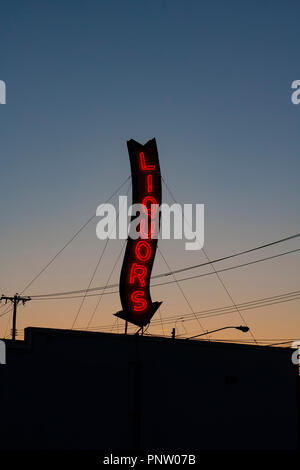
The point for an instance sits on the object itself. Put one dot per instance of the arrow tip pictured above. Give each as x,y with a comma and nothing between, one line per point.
138,319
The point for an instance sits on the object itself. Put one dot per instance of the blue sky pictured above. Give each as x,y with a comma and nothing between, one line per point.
210,80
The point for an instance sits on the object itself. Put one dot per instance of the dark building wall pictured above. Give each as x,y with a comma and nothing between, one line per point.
96,391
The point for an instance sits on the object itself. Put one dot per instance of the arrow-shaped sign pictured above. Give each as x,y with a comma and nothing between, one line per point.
138,307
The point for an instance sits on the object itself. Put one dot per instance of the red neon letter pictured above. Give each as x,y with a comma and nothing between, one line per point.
139,272
151,229
144,166
152,201
137,297
144,255
149,183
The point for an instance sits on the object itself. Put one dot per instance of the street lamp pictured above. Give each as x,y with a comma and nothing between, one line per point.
242,328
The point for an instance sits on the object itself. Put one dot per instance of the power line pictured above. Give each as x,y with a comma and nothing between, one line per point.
94,273
101,295
284,342
15,300
267,301
169,282
71,239
182,292
170,272
260,247
157,276
90,282
214,312
233,267
257,303
265,342
66,245
202,314
161,321
218,276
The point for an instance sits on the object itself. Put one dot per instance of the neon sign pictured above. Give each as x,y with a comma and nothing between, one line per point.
137,305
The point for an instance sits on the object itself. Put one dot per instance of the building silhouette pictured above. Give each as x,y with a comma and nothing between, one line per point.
76,390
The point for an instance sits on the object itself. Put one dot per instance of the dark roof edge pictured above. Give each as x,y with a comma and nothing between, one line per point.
31,331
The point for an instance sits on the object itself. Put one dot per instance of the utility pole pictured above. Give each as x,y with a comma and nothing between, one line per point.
15,300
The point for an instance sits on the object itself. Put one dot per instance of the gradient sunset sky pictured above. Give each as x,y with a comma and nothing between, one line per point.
211,81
